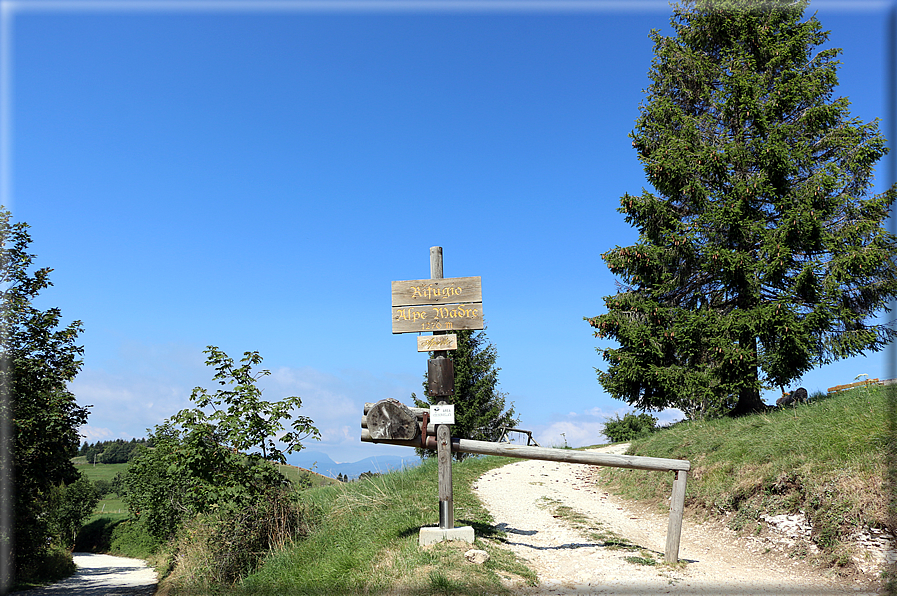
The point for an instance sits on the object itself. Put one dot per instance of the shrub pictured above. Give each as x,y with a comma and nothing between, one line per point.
118,536
53,564
69,505
96,536
222,547
131,538
103,487
629,427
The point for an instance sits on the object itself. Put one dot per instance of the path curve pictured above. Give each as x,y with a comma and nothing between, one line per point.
103,575
523,499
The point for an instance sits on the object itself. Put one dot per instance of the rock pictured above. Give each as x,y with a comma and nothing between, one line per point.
477,556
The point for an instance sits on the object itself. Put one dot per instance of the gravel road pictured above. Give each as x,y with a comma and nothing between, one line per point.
569,550
103,575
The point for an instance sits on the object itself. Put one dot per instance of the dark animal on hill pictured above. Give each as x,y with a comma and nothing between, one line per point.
797,396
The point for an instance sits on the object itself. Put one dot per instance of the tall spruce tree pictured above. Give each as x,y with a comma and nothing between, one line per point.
763,253
479,406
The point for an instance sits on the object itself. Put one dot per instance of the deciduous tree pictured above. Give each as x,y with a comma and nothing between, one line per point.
240,417
204,460
762,252
38,358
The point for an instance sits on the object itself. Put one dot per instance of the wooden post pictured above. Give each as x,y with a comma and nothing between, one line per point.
677,507
443,432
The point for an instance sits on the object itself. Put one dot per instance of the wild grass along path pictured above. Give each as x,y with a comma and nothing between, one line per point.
558,517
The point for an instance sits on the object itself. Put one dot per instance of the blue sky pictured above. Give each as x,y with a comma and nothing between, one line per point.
253,175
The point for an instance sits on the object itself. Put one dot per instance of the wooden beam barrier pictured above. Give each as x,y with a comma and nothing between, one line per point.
865,383
634,462
679,466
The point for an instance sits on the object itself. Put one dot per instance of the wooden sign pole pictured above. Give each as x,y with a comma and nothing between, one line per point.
443,432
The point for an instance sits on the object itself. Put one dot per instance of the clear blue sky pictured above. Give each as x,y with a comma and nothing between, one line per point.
253,176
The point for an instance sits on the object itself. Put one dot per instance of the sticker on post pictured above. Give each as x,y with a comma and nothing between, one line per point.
444,414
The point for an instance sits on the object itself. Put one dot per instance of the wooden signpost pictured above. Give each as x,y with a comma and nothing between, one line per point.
440,305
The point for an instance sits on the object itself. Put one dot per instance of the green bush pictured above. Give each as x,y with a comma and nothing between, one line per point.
103,487
629,427
96,537
50,565
220,548
131,538
69,505
202,463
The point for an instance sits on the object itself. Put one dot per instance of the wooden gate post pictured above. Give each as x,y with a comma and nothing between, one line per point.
443,432
677,508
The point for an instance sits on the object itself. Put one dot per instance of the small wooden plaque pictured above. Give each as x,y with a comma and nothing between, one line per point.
435,343
440,377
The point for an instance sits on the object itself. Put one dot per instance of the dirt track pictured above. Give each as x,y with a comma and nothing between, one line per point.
524,497
103,575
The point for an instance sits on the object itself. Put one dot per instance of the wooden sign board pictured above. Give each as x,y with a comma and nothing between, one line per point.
450,290
435,343
449,317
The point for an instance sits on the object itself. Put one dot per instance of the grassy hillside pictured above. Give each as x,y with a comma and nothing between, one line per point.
365,542
302,477
100,471
110,506
827,459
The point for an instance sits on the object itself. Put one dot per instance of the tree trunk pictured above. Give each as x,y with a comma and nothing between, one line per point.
749,402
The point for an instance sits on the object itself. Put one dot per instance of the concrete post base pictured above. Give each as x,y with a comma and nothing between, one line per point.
433,534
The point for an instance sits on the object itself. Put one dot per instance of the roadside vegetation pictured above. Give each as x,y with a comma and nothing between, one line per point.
331,538
101,531
45,497
363,539
827,460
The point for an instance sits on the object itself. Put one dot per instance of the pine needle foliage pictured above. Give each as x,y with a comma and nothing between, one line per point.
480,412
762,252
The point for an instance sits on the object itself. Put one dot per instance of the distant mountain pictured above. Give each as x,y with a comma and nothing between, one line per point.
322,463
307,459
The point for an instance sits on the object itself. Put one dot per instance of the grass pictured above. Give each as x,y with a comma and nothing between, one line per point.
100,471
826,459
302,477
588,528
366,542
111,506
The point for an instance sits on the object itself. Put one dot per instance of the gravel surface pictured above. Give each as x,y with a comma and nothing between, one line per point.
570,551
103,575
